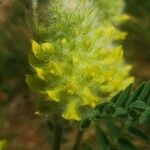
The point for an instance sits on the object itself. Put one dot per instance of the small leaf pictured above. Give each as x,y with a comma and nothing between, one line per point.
85,146
138,133
102,139
145,116
120,112
113,130
148,101
124,96
138,105
114,99
145,92
135,94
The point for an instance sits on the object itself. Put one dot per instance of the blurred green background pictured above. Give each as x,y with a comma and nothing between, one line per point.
18,124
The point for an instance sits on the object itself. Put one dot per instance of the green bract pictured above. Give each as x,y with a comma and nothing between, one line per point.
77,64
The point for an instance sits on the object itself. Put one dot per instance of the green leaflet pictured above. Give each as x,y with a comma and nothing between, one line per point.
102,139
129,105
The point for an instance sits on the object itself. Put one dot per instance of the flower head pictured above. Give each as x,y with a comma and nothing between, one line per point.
79,65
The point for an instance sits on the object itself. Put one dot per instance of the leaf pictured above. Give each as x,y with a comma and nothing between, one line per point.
120,112
135,94
145,93
114,99
85,146
102,139
124,96
138,105
138,133
145,116
148,101
113,130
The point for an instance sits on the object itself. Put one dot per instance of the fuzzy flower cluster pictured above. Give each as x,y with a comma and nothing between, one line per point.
79,65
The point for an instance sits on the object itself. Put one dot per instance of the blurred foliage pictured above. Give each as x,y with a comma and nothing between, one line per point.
13,49
2,144
137,43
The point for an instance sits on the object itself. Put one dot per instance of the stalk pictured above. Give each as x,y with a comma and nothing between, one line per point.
78,140
57,135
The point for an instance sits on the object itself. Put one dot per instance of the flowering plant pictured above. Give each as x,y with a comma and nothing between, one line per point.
76,59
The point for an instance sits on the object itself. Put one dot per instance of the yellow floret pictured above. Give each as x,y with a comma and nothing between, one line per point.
71,112
47,47
53,95
89,99
35,48
54,69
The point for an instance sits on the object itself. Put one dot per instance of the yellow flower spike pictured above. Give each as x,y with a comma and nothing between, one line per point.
53,95
71,111
82,57
89,99
47,47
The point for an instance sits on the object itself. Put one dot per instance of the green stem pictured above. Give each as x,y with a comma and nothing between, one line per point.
57,134
78,140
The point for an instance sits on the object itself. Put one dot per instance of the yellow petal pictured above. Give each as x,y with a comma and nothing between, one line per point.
35,47
71,112
53,95
47,47
40,72
54,68
89,99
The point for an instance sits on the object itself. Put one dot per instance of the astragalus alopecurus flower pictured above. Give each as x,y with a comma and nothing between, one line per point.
78,63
